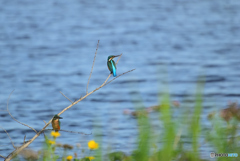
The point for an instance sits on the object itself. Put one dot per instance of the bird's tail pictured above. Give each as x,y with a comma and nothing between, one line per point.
114,73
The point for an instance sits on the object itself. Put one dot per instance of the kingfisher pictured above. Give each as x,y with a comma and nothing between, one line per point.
56,123
111,64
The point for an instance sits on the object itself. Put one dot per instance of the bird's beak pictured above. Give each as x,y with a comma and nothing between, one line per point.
60,118
116,56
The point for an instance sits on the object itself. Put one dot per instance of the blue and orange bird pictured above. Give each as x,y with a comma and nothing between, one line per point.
56,123
111,65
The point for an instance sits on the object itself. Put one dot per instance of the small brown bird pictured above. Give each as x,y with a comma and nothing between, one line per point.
56,123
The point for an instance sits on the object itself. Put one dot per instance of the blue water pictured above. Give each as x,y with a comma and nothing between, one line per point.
48,46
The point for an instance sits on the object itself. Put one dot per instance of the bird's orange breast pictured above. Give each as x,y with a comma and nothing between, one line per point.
55,125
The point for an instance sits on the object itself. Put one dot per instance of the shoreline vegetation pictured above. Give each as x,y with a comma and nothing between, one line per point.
223,137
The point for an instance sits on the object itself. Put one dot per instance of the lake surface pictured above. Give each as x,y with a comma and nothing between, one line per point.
48,46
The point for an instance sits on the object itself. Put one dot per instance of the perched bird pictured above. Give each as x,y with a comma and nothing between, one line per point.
111,64
56,123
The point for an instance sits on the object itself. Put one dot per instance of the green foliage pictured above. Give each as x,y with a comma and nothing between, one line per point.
223,137
141,154
166,153
195,123
142,151
48,152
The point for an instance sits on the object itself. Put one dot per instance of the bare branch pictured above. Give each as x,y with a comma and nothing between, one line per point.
66,97
106,80
9,137
44,122
92,67
19,149
16,119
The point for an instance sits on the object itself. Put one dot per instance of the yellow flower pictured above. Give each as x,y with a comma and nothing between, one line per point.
69,157
55,134
51,142
92,145
90,158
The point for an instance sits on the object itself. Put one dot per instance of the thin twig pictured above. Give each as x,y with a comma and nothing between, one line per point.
2,156
44,122
24,139
70,131
119,76
9,137
118,58
75,132
92,66
16,119
66,97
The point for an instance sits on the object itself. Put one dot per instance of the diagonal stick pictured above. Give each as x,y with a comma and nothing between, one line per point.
92,67
66,97
9,137
16,119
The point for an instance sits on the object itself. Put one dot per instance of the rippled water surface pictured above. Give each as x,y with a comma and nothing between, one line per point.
48,46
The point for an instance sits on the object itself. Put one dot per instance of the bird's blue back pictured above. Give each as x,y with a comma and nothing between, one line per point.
113,68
